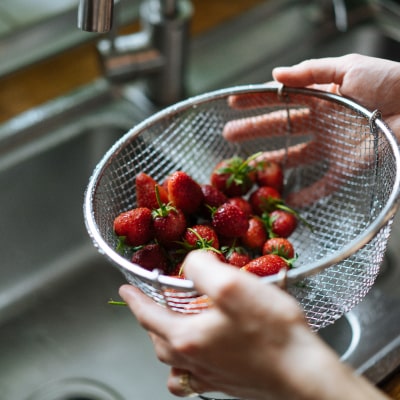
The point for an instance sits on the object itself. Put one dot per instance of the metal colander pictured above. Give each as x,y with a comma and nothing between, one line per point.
347,186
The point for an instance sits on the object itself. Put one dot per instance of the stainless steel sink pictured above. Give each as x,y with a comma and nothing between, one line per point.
59,339
69,344
368,337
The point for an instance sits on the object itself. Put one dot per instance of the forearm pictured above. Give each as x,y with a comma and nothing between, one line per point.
332,380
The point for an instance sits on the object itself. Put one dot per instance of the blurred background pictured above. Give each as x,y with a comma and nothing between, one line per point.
43,54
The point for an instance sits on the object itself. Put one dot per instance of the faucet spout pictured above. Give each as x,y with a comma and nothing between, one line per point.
95,15
158,52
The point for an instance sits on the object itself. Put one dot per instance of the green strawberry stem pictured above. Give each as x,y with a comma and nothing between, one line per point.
238,169
117,303
201,243
282,206
228,250
271,204
121,244
290,261
124,248
267,220
163,209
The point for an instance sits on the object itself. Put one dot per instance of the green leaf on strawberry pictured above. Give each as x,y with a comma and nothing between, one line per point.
234,176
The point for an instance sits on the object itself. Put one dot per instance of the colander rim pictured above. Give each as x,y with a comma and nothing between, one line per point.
294,274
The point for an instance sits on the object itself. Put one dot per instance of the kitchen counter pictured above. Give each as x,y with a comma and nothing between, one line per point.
62,73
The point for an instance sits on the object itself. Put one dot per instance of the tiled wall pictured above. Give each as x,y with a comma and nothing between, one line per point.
16,13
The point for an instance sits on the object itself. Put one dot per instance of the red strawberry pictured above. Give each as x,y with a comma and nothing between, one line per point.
256,234
201,237
230,221
266,265
184,192
280,246
177,271
169,225
243,204
218,254
238,257
270,173
233,176
151,256
135,226
265,199
146,191
282,223
213,198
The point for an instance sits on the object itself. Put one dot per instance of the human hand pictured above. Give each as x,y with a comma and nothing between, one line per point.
253,343
371,82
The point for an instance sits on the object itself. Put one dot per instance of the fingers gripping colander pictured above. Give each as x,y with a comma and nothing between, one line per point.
346,185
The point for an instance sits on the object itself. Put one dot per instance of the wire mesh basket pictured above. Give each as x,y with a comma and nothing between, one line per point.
345,184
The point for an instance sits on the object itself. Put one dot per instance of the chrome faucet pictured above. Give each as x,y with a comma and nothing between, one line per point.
158,52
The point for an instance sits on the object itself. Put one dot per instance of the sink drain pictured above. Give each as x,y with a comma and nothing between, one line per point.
75,389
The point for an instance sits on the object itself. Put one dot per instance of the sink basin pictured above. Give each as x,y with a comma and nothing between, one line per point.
59,339
43,172
69,344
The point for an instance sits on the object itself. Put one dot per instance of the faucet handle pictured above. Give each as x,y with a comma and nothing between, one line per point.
95,15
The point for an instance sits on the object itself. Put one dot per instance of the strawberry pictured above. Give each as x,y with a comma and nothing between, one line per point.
201,237
282,223
243,204
218,254
145,187
169,224
177,271
151,256
134,227
184,192
265,199
212,196
270,173
237,256
230,221
280,246
268,264
233,176
256,234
